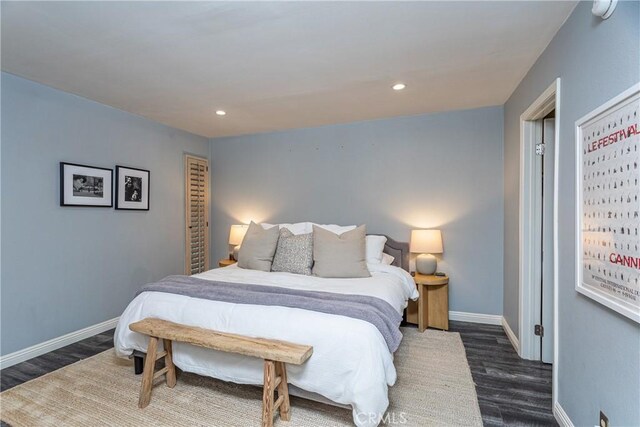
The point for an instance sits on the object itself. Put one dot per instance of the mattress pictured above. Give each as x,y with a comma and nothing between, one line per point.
351,364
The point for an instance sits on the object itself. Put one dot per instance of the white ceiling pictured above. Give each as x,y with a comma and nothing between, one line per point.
278,65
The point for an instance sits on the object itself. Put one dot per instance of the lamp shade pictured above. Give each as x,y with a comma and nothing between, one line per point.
426,242
236,234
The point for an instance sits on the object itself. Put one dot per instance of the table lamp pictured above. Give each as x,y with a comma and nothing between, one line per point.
236,235
426,243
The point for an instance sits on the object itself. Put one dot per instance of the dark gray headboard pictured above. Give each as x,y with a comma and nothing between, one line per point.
398,250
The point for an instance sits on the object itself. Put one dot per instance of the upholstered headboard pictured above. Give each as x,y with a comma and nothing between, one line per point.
398,250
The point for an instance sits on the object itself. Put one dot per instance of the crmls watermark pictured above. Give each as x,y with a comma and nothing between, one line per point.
388,418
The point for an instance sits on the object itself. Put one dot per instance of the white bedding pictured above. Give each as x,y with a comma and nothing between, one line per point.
351,363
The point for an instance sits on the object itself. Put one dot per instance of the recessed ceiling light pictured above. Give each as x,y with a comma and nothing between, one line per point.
221,113
398,86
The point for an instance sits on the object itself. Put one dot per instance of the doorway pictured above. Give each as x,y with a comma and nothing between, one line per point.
538,234
541,226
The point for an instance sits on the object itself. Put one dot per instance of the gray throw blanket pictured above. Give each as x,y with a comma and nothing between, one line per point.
373,310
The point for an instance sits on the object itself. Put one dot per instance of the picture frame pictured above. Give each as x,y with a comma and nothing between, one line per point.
132,188
608,201
85,186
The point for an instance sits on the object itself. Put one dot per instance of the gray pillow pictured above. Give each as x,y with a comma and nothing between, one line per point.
294,253
340,256
258,247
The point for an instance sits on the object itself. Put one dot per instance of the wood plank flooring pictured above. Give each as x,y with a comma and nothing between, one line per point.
49,362
511,391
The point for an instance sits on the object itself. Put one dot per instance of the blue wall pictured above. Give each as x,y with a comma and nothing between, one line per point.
599,366
66,268
437,170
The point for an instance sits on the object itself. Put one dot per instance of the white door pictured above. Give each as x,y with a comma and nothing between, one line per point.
546,314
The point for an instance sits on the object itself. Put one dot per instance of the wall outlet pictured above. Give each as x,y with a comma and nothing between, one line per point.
604,421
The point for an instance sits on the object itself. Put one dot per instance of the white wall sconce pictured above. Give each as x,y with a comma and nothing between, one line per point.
603,8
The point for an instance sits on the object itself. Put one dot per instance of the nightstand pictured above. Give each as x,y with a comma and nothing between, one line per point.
226,262
432,308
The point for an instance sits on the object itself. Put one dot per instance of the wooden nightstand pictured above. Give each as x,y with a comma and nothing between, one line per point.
432,308
226,262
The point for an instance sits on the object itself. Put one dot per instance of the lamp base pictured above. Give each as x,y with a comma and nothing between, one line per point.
236,249
426,264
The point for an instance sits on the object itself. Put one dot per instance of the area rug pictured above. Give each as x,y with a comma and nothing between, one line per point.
434,388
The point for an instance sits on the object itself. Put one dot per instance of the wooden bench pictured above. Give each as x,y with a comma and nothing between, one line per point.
275,354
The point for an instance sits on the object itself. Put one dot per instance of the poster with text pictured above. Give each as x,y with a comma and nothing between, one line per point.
609,204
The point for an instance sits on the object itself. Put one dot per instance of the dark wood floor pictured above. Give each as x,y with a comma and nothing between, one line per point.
511,391
33,368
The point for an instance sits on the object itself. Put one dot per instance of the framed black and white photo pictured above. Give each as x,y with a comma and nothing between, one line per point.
132,188
608,222
82,185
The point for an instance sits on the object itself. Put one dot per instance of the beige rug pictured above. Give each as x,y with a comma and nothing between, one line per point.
434,388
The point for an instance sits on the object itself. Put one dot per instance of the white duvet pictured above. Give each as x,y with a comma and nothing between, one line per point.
350,365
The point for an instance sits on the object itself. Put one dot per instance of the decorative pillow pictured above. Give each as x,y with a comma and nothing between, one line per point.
340,256
258,247
375,246
387,259
294,253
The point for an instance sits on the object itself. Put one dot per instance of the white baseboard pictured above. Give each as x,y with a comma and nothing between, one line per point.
512,337
56,343
488,319
561,417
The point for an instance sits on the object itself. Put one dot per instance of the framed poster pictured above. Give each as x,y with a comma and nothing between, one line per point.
608,192
82,185
132,188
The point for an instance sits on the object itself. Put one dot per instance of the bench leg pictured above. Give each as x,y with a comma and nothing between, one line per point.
267,393
168,363
283,391
147,375
275,378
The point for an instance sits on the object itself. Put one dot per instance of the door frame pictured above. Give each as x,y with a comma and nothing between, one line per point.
547,338
529,290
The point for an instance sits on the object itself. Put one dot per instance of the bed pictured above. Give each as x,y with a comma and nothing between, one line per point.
351,364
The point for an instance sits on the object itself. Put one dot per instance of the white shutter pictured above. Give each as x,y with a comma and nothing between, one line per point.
197,214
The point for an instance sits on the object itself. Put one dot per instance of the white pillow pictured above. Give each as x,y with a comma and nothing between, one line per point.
375,246
297,228
335,229
387,259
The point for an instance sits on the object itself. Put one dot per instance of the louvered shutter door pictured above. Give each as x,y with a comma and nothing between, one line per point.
197,215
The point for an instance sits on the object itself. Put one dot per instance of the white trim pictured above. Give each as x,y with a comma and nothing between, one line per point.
548,100
556,263
512,337
561,416
56,343
529,299
488,319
